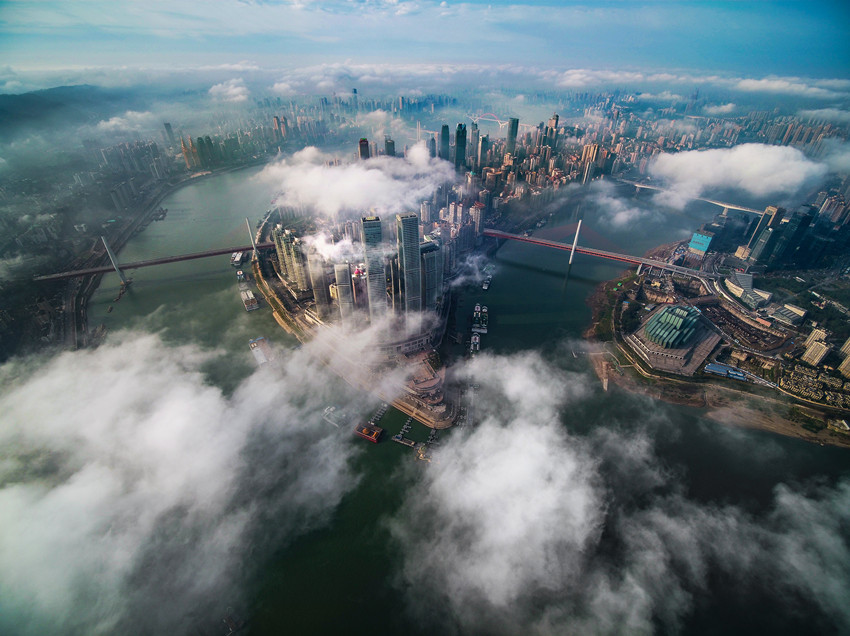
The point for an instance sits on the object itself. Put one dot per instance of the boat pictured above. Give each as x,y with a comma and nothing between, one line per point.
486,284
249,300
236,259
475,345
479,320
261,350
240,275
369,431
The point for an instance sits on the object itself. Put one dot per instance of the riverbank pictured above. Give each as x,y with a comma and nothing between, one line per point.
723,404
78,292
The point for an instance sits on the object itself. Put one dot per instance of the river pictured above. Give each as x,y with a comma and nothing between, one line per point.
344,576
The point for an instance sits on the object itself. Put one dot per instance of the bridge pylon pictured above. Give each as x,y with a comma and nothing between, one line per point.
251,236
114,261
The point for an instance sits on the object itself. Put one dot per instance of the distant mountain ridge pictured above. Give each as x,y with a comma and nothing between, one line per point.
60,106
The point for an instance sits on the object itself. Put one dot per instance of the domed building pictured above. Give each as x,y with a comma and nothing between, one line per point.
674,339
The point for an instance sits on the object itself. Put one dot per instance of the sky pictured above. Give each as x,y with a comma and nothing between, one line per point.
757,39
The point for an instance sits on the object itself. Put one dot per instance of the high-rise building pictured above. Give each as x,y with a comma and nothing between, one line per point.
792,234
187,154
320,284
483,147
291,259
816,352
389,147
513,129
551,136
425,212
460,147
444,142
771,216
844,367
169,133
845,348
432,274
364,148
345,291
765,245
815,335
432,147
410,272
373,255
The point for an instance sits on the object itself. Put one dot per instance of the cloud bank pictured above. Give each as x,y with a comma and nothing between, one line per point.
383,184
520,527
233,90
131,493
754,168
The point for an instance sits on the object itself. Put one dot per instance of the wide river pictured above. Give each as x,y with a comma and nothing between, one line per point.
352,573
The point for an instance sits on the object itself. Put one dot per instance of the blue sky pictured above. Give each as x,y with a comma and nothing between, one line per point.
749,39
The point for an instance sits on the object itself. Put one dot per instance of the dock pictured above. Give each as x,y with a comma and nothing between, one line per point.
406,441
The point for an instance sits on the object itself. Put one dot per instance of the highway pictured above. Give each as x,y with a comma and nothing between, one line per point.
104,269
613,256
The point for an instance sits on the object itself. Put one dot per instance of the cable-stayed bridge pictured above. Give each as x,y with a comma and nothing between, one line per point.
611,256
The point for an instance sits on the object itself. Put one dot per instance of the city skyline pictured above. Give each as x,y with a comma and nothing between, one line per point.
775,45
293,339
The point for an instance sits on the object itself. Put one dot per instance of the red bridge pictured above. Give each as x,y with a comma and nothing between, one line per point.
612,256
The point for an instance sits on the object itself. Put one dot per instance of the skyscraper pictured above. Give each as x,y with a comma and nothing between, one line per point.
389,147
460,147
432,147
771,216
407,235
342,272
364,148
319,281
513,129
373,256
432,274
483,147
444,142
169,133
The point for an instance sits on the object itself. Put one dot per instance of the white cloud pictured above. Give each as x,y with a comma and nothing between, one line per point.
136,484
754,168
233,90
283,89
518,527
662,96
131,120
720,109
384,184
834,115
785,86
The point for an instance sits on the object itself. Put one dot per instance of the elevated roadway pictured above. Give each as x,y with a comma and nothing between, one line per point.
611,256
104,269
722,204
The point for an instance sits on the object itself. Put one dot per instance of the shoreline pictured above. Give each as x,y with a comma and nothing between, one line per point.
722,404
90,284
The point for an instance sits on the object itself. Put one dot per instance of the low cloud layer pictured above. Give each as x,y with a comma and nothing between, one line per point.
753,168
130,121
520,527
132,492
383,184
233,90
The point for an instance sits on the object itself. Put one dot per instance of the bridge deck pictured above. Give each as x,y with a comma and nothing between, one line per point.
104,269
613,256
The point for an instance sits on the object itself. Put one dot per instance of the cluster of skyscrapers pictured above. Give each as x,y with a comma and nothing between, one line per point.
387,276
